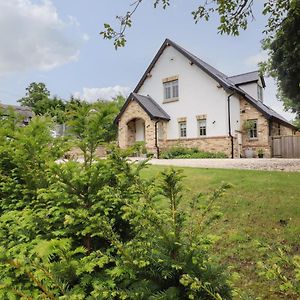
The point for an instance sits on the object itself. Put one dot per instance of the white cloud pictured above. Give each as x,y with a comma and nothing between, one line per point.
106,93
34,37
253,60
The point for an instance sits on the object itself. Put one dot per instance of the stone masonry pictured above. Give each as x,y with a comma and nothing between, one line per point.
210,144
263,140
249,112
126,133
126,137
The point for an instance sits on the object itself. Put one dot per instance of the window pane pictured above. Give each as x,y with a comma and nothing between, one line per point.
182,129
171,89
175,88
202,127
167,92
253,129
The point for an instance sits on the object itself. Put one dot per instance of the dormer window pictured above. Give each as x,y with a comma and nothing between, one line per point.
259,93
171,90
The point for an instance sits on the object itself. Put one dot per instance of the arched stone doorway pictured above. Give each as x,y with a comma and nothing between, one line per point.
136,131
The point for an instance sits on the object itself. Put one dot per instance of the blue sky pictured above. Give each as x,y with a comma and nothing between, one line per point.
57,42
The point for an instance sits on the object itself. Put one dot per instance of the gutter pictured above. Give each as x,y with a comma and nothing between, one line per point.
229,124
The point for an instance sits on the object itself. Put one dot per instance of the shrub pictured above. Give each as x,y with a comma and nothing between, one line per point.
181,152
97,230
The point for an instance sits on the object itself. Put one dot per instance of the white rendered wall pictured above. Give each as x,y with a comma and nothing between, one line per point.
198,94
139,130
235,115
251,89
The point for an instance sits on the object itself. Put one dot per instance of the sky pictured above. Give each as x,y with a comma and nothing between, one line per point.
57,42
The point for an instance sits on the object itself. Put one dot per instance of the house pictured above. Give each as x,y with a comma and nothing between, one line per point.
182,100
24,112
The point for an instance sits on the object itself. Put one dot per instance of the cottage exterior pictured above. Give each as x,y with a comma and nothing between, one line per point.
181,100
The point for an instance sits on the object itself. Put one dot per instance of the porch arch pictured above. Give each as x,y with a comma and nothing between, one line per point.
136,131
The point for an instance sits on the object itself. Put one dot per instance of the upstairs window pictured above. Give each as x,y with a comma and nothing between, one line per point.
252,129
182,129
259,93
171,89
202,127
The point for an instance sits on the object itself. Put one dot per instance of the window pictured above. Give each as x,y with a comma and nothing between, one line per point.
182,129
171,89
259,93
253,129
202,127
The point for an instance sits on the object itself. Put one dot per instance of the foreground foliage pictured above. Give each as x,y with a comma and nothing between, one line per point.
261,218
97,230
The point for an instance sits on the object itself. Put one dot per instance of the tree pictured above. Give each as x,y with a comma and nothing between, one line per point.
284,58
234,15
38,98
35,93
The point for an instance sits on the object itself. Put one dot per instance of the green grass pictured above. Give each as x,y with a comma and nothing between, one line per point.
252,210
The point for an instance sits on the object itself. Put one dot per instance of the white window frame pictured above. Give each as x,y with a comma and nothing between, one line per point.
182,130
253,132
171,90
202,127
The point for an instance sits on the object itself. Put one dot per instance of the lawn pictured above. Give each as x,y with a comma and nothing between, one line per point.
261,206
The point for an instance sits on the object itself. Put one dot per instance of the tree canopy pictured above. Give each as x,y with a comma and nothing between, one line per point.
284,61
39,100
234,15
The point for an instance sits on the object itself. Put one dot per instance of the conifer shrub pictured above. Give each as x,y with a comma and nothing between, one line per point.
97,229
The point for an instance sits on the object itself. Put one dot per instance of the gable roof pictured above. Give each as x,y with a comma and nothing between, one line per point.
22,110
150,106
249,77
226,82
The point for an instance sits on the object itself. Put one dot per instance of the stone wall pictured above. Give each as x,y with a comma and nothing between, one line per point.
126,134
249,112
210,144
279,129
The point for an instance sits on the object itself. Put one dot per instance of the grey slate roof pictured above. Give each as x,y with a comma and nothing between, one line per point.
22,110
247,78
148,104
225,81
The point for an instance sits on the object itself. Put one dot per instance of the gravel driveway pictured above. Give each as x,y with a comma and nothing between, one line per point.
276,164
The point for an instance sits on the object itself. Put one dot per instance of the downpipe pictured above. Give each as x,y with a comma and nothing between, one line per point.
156,141
229,125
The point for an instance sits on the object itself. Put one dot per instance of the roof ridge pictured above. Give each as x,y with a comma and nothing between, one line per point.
190,53
243,73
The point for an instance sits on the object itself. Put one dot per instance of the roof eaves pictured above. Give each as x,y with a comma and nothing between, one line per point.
135,97
153,117
167,117
268,115
154,60
222,81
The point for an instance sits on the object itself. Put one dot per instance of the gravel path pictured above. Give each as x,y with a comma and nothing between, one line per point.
270,164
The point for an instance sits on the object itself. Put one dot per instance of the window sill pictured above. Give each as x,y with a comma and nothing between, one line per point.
171,100
252,139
